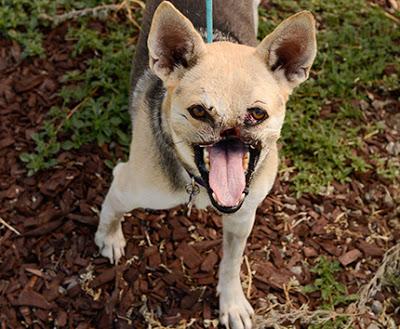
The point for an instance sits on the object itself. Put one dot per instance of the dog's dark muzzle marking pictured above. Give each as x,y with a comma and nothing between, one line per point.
229,143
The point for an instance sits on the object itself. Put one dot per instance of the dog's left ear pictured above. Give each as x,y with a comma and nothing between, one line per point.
290,49
174,44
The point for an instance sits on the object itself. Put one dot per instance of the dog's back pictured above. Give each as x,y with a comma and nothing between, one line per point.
231,18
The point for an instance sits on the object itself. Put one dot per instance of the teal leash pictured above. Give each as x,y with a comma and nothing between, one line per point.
209,22
193,187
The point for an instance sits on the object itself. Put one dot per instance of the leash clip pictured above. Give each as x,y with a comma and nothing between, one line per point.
192,189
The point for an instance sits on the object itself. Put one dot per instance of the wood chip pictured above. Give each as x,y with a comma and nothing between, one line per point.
310,252
209,262
350,257
189,255
29,297
370,249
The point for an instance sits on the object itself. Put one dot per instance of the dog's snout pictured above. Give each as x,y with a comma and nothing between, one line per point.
231,132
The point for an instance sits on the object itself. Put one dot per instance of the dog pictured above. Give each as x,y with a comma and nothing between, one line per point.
205,123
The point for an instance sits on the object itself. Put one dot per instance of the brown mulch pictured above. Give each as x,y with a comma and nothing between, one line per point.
51,274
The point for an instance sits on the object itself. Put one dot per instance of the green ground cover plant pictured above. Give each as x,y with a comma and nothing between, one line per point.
95,101
355,43
333,293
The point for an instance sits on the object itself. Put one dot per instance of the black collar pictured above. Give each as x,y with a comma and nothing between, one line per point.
198,179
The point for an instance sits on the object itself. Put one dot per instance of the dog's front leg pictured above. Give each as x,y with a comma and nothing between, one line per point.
235,311
109,237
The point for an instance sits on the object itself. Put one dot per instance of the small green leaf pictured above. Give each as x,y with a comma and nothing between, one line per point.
25,157
68,145
110,164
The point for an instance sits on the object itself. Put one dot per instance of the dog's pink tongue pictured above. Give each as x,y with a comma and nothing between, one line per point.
227,178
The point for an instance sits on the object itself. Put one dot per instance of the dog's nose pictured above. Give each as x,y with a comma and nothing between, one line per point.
231,132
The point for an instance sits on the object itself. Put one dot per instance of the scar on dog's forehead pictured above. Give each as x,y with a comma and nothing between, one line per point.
179,90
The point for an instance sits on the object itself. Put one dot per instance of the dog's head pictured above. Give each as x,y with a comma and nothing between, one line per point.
225,102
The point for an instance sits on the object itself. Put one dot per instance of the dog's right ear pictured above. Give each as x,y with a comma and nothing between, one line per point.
174,44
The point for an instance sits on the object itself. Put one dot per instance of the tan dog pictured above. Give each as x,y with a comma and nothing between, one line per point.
206,119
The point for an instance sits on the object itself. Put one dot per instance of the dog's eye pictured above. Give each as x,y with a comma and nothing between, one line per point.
197,111
258,114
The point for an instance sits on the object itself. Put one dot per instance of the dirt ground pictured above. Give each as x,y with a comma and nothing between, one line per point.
51,274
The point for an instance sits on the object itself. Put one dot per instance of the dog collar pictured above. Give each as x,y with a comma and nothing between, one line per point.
192,189
196,179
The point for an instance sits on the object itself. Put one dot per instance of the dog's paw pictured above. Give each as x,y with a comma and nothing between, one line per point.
111,244
234,309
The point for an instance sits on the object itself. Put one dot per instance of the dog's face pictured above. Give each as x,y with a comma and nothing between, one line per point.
224,116
225,102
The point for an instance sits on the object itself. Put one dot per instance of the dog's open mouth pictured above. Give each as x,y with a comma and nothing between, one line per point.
226,169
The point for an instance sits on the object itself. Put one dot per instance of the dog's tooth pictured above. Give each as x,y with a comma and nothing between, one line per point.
245,161
241,199
214,196
206,159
